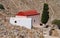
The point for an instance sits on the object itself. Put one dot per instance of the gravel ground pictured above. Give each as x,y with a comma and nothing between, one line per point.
10,31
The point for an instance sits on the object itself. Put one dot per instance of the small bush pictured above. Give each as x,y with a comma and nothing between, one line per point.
1,6
56,22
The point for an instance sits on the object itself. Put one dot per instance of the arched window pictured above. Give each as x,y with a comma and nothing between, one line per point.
34,20
15,21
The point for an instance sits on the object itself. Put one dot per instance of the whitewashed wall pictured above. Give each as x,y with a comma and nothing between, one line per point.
26,22
36,18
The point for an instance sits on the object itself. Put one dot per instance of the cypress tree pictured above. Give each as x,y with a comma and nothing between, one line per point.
45,14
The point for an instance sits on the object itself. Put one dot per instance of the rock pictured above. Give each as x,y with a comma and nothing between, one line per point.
55,33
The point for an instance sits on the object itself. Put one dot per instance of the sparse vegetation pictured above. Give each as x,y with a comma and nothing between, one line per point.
56,22
1,6
45,14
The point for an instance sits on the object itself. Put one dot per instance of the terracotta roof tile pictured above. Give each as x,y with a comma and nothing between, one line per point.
27,13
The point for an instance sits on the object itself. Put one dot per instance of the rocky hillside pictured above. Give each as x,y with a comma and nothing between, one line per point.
14,6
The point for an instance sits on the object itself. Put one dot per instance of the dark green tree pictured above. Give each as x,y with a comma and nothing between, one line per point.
45,14
1,6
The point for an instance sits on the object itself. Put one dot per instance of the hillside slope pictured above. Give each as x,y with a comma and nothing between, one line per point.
13,6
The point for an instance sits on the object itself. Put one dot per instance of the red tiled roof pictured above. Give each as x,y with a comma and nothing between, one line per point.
28,13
